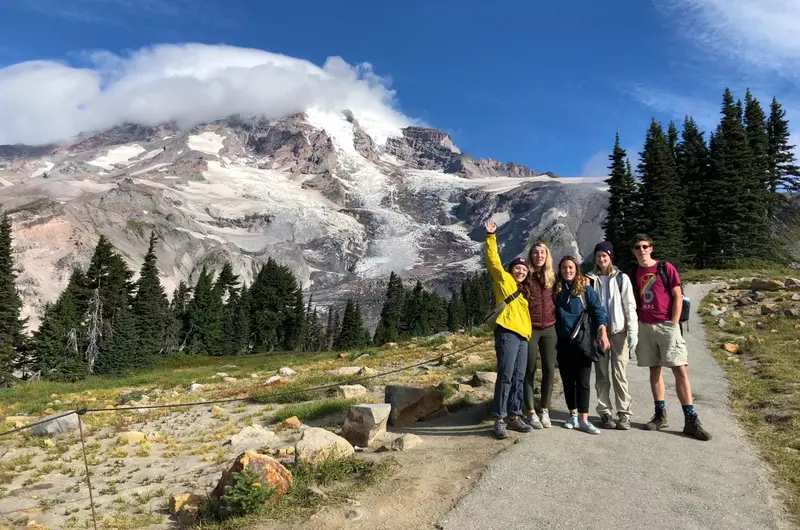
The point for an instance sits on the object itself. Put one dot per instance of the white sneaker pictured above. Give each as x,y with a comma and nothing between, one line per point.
545,419
533,421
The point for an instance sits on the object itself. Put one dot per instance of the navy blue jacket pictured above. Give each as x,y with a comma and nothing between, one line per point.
569,309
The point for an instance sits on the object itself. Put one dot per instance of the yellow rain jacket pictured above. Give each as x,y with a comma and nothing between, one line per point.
515,317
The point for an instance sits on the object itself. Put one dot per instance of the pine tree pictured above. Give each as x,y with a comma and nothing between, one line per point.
756,228
57,356
178,319
236,326
275,308
672,141
620,221
456,312
205,318
109,282
693,170
11,326
414,322
730,171
120,355
660,191
783,172
331,328
150,306
350,333
388,329
226,280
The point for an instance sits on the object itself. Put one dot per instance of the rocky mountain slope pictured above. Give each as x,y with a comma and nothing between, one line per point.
341,203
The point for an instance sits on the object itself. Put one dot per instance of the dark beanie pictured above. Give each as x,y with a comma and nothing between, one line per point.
517,261
606,247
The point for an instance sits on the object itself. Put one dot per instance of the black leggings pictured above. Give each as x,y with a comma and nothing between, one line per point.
576,374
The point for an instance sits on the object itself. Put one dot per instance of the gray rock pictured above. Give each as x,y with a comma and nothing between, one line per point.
716,313
346,370
286,372
317,444
251,437
796,297
403,442
364,423
56,426
410,404
352,391
793,312
194,387
484,379
766,284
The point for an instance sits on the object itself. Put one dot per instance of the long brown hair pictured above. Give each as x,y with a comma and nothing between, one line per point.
578,284
545,274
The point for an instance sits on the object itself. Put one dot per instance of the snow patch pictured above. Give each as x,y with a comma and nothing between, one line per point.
207,142
118,155
150,168
42,170
336,126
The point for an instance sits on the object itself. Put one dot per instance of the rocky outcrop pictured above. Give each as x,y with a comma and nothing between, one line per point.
411,404
423,148
469,167
295,146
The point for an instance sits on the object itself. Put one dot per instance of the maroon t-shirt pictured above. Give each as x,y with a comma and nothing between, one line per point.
655,304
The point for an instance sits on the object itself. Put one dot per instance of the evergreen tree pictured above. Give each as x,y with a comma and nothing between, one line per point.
672,141
178,319
331,329
205,318
693,169
731,176
414,322
456,313
150,306
237,322
109,284
620,223
388,329
11,326
756,227
783,173
351,334
226,280
275,308
56,341
120,355
660,192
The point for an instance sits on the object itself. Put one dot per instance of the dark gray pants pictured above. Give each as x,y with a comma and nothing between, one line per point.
512,360
542,345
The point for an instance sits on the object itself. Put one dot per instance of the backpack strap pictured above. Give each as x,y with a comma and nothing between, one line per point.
510,298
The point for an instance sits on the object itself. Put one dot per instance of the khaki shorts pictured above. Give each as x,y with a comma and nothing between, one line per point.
661,345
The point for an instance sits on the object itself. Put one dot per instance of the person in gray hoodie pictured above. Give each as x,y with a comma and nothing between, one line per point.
617,296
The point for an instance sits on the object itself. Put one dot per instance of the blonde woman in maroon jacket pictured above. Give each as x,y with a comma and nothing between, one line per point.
540,283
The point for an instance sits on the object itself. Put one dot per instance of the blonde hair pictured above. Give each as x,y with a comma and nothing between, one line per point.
604,272
545,274
578,284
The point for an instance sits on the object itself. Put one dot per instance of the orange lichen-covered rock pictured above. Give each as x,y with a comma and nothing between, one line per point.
270,472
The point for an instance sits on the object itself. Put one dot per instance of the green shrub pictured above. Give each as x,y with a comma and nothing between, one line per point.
245,496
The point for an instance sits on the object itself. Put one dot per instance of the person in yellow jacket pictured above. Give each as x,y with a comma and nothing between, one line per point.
511,335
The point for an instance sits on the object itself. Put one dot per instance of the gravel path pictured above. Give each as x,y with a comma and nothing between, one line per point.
557,478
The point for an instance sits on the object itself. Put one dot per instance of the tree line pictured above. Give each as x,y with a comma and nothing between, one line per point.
104,323
713,203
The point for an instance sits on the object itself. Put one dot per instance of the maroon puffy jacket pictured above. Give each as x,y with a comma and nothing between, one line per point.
541,305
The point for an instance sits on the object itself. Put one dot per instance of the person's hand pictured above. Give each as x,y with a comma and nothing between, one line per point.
491,226
586,280
604,343
633,340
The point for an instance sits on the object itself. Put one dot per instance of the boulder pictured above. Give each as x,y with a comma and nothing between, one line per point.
446,346
132,437
484,378
194,387
286,372
404,442
391,345
796,297
793,284
270,472
185,507
352,391
251,437
716,313
793,312
767,309
364,423
229,379
220,375
317,445
367,371
56,426
469,359
721,322
291,423
410,404
766,284
274,380
731,348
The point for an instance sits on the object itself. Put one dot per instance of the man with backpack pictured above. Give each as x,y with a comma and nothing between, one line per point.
661,310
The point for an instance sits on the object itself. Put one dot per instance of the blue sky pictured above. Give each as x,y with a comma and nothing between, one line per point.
546,84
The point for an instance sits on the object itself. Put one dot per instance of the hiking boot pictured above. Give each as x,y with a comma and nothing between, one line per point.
658,421
693,427
607,422
624,422
588,428
546,419
533,421
516,424
572,422
499,430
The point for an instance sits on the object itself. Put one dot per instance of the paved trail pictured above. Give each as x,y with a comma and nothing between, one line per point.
556,478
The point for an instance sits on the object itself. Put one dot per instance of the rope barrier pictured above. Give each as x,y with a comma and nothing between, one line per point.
84,411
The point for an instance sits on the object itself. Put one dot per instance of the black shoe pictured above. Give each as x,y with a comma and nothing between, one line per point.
658,420
499,430
693,427
516,424
607,422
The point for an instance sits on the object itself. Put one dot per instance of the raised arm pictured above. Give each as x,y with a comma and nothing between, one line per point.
493,262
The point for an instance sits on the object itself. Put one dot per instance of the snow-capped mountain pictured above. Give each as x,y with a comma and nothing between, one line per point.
340,201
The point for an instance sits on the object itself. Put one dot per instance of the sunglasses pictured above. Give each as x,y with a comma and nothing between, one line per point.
641,247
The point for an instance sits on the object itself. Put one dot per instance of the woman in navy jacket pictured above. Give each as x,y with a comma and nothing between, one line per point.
575,368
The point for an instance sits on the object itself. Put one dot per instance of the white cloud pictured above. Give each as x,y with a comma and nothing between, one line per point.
46,101
764,33
704,112
597,164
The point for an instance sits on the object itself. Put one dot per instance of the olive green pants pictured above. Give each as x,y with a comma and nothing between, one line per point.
542,344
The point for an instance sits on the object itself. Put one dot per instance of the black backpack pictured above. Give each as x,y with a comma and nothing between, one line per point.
661,270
